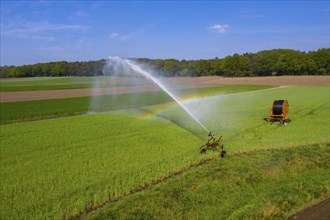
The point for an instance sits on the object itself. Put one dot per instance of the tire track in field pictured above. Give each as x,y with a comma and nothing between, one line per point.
313,110
83,213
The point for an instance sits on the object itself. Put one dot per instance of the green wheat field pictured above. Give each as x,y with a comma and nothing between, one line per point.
138,156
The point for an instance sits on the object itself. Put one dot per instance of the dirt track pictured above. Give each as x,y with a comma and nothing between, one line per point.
319,211
174,82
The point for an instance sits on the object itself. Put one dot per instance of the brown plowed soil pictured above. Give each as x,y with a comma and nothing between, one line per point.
319,211
174,82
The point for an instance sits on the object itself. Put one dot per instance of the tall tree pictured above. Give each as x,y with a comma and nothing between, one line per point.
202,67
216,67
237,65
263,63
170,67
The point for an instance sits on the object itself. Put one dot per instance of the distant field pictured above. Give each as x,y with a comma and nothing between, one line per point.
44,83
60,167
68,87
48,83
50,108
60,83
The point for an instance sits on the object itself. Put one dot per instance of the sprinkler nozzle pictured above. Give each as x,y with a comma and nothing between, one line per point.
210,134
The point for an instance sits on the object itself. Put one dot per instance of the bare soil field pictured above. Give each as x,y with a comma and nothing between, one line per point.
269,80
174,82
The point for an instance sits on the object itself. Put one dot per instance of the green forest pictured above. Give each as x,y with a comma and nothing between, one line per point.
263,63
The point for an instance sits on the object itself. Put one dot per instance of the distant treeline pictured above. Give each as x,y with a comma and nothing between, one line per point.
263,63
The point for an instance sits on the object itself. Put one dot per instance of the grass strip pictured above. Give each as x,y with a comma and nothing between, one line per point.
59,83
271,184
41,81
43,87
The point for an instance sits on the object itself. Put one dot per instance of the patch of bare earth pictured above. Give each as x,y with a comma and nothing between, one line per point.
174,82
320,211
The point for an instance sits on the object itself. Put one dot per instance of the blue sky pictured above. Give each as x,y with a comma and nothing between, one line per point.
43,31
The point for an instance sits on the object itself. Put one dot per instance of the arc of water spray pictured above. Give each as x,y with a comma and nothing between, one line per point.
138,69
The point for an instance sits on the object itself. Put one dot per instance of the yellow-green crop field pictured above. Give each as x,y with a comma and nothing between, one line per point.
80,165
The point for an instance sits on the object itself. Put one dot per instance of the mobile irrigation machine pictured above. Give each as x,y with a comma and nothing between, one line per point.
213,144
279,112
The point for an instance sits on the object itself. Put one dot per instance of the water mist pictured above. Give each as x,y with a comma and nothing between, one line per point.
118,64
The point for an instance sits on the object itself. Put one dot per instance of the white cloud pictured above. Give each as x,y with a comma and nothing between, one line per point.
114,35
127,36
220,28
40,30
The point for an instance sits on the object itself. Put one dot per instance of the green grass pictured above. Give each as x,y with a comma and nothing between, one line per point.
52,108
56,168
42,109
265,185
51,87
239,117
59,83
45,83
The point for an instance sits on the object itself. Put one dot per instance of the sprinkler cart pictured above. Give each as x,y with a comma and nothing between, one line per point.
279,112
213,144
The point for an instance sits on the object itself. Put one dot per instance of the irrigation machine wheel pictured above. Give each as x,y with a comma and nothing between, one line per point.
285,122
222,154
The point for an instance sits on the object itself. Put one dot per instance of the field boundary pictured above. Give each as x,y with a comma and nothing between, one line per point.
202,163
320,210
